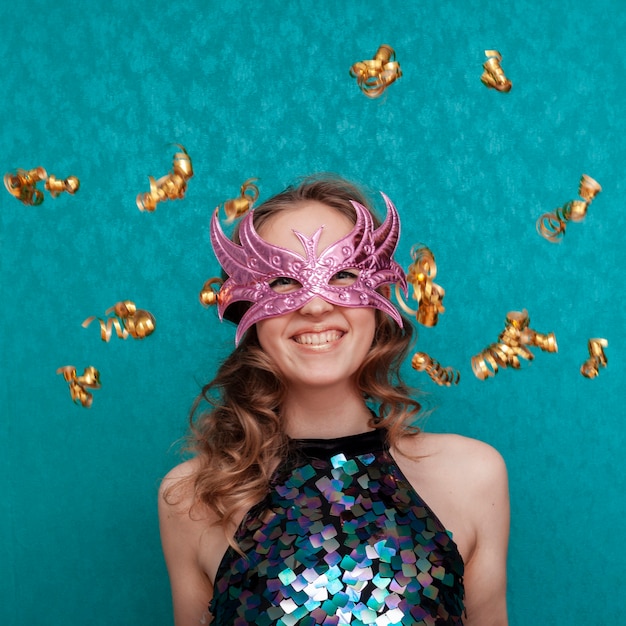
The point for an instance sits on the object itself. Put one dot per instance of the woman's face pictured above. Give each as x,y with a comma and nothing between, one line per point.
320,344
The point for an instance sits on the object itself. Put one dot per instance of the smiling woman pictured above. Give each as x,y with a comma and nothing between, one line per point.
319,344
313,497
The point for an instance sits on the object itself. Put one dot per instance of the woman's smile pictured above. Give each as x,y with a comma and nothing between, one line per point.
319,338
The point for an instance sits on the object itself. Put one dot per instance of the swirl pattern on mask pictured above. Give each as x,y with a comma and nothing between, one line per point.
252,264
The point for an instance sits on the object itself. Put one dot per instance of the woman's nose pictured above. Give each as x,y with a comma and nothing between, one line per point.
316,306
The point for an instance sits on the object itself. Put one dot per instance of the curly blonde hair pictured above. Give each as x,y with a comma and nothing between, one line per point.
237,432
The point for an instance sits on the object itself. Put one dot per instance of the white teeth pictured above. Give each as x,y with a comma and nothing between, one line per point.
316,339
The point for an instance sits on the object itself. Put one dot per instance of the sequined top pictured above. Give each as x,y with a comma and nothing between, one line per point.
341,538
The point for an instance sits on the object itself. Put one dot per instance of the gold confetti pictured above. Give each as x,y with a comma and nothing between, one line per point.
493,76
57,186
127,320
513,343
373,76
172,186
79,385
597,359
238,207
209,294
444,376
23,185
551,226
429,296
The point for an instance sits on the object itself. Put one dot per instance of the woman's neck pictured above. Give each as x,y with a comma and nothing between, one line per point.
327,414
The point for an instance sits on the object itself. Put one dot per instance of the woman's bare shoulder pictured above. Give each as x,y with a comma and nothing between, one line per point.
451,448
192,542
177,493
185,521
470,464
182,471
463,480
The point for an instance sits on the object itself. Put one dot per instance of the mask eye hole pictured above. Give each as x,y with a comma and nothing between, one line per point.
344,278
284,284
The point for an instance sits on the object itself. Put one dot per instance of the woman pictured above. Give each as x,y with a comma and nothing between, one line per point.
313,498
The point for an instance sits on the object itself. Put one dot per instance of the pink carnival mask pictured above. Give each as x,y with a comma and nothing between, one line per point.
252,265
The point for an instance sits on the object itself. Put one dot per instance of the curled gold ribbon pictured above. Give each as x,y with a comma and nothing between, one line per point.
429,296
493,75
57,186
513,344
23,185
546,343
127,320
444,376
209,294
141,324
551,226
373,76
238,207
79,385
172,186
494,356
597,358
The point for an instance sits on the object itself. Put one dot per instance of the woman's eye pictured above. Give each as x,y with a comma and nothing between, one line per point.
344,278
284,284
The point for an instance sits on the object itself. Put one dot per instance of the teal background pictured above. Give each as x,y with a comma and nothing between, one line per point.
101,90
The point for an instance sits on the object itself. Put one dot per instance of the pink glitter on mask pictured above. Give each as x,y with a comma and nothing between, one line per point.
252,265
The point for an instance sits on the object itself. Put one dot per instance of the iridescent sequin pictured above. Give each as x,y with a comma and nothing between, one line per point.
342,538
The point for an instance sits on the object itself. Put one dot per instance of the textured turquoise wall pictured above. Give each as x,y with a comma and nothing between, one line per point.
101,89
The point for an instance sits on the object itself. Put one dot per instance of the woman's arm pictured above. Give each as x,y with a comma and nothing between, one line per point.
181,540
485,568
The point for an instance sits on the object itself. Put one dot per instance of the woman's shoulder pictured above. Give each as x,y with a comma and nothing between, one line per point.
468,466
183,471
463,480
192,542
180,475
457,450
184,519
177,492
